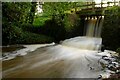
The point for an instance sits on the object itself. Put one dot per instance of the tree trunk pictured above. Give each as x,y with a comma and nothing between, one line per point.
32,12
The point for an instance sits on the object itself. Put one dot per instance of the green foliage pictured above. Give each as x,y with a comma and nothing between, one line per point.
15,12
14,16
54,29
72,24
32,38
115,10
70,21
40,20
111,28
118,50
62,26
19,22
26,27
11,34
32,12
15,35
55,8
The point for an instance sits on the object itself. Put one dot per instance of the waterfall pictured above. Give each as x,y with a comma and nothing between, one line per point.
91,39
93,28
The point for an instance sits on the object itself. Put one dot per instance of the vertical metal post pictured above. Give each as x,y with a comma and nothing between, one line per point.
93,6
101,4
119,3
87,4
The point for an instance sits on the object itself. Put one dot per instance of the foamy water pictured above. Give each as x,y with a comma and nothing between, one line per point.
74,58
76,63
24,51
86,43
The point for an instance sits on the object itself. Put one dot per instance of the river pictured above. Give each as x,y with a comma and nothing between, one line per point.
56,61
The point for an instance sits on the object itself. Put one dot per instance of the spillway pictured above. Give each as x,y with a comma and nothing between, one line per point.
91,39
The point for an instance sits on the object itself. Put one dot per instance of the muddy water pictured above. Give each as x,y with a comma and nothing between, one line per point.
54,62
29,64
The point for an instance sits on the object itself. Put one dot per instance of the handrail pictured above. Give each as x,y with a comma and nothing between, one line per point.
93,4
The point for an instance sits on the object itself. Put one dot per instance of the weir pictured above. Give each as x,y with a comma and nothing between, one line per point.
92,35
93,27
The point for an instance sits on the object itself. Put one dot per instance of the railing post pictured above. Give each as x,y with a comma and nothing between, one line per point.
101,4
75,7
87,4
119,3
93,6
108,4
114,3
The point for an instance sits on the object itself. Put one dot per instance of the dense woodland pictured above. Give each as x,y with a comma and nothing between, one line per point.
57,22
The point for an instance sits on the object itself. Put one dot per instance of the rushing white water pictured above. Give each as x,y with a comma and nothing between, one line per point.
90,28
84,43
58,62
24,51
93,28
91,40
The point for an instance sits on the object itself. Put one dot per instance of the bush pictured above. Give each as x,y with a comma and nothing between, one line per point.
72,25
62,26
40,20
53,29
111,28
27,27
11,34
118,50
15,35
32,38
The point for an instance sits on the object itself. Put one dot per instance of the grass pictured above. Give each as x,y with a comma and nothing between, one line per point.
40,20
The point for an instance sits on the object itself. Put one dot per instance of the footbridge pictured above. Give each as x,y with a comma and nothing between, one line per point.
94,9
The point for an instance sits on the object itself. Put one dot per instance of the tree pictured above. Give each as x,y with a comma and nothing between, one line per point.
13,15
32,12
15,12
